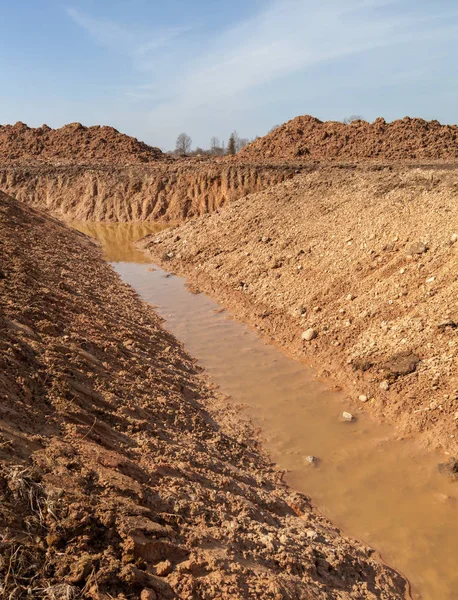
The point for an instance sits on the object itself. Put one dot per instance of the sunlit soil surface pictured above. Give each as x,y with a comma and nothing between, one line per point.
383,490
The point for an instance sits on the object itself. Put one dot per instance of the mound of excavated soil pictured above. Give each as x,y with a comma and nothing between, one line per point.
366,260
307,138
73,143
122,474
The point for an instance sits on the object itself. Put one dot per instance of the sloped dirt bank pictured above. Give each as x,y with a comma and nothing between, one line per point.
123,475
352,270
170,192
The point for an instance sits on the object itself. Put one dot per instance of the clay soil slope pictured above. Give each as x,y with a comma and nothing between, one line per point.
73,143
307,138
122,474
354,270
168,192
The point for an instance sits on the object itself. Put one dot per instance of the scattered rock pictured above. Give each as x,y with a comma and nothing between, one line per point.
384,385
450,469
148,594
401,364
416,248
363,398
346,416
311,460
454,238
447,323
309,335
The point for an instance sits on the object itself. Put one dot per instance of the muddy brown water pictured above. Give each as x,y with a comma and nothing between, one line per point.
382,490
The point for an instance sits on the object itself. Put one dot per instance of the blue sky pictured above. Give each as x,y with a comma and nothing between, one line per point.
154,69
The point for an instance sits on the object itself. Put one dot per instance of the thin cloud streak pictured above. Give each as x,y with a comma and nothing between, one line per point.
232,71
141,47
288,36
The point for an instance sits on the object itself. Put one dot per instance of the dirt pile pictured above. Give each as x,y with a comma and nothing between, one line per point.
355,270
73,143
122,474
308,138
170,192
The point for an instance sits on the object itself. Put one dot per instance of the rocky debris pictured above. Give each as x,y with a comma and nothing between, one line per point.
363,398
122,474
384,385
311,460
402,364
306,138
309,335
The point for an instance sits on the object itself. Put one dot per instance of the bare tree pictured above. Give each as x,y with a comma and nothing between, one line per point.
351,118
216,147
183,144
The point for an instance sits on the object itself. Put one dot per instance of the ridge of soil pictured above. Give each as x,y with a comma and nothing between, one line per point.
73,143
308,138
354,270
123,474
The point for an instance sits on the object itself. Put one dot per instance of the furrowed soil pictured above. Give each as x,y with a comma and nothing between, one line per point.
162,192
308,138
123,473
352,270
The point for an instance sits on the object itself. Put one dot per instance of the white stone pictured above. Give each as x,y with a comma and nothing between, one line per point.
309,335
346,416
363,398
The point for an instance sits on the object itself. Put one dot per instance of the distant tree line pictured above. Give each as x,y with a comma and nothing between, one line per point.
183,146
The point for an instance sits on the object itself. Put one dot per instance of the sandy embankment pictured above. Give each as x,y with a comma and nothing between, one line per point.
122,472
366,259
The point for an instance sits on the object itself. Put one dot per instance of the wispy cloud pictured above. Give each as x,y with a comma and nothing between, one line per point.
139,45
288,36
281,42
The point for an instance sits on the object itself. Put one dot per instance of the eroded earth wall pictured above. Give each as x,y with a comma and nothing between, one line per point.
171,192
